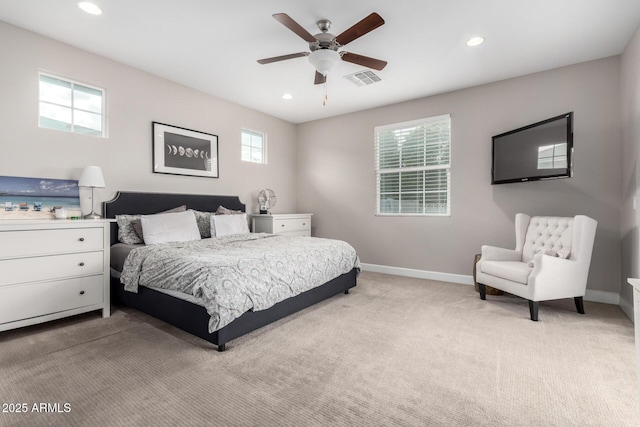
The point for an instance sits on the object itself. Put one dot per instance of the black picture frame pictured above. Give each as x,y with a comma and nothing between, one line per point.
181,151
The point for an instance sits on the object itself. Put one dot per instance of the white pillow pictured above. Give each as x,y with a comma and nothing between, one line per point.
169,227
224,225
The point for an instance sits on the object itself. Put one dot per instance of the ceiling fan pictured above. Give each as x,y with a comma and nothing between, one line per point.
324,46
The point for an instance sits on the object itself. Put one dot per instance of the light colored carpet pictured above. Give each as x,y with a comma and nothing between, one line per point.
395,351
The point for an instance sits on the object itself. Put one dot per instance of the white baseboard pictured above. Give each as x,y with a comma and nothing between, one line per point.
418,274
591,295
602,296
627,308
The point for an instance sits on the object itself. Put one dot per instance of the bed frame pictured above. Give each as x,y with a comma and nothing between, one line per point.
188,316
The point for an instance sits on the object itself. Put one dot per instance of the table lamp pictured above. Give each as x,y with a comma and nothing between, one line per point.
92,177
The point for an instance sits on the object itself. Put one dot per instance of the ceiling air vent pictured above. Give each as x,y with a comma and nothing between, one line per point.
363,78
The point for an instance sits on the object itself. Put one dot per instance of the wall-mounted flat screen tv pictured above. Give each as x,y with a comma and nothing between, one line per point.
543,150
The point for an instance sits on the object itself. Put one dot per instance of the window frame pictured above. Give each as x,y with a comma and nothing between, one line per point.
263,148
398,170
73,108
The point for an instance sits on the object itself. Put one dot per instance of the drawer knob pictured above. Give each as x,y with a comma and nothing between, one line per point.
282,225
81,264
81,239
304,223
81,292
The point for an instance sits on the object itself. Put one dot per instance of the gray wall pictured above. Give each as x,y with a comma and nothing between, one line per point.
629,217
327,167
337,179
134,100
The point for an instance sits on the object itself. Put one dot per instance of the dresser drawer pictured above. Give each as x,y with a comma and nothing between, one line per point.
43,242
291,224
19,302
22,270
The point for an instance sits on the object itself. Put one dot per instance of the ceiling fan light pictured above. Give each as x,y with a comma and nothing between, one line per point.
323,60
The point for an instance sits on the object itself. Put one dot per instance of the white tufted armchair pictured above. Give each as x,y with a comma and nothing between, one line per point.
551,260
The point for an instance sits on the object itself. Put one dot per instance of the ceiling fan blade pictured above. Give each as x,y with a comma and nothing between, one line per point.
288,22
320,79
366,25
282,57
376,64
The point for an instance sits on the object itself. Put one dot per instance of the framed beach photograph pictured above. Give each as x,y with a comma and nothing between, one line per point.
38,198
180,151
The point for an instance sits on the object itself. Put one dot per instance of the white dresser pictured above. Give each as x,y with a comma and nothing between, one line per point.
287,224
51,269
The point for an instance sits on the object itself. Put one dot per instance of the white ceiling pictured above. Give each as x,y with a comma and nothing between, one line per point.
213,46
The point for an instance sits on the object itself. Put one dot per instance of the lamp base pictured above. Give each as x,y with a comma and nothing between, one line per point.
92,215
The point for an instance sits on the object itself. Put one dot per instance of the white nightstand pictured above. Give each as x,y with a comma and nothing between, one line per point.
51,269
286,224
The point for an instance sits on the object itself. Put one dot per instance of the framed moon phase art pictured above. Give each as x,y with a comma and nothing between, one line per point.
180,151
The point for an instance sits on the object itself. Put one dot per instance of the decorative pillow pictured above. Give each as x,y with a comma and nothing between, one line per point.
203,219
224,211
562,253
224,225
549,252
170,227
137,226
126,232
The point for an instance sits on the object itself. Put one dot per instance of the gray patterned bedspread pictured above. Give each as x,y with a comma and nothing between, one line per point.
234,274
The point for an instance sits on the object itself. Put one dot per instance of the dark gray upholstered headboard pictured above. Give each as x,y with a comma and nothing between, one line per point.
134,203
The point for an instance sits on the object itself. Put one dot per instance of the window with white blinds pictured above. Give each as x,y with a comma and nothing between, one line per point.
413,167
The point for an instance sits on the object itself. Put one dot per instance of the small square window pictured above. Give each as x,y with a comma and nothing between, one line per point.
253,147
70,106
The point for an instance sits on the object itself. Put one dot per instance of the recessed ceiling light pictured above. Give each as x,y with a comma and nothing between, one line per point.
287,96
475,41
89,7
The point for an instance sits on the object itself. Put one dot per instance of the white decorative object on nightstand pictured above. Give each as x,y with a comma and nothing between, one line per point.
286,224
52,269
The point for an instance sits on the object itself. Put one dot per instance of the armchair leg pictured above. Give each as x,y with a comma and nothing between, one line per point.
483,291
579,304
533,310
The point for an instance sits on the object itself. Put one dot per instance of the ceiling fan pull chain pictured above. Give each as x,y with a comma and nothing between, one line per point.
324,102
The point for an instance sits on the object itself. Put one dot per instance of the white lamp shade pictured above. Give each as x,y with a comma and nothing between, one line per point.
324,60
91,177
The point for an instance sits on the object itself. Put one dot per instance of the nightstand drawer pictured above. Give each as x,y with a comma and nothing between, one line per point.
291,224
22,270
302,233
19,302
287,224
43,242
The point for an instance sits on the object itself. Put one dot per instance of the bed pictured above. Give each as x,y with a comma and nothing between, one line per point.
188,315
